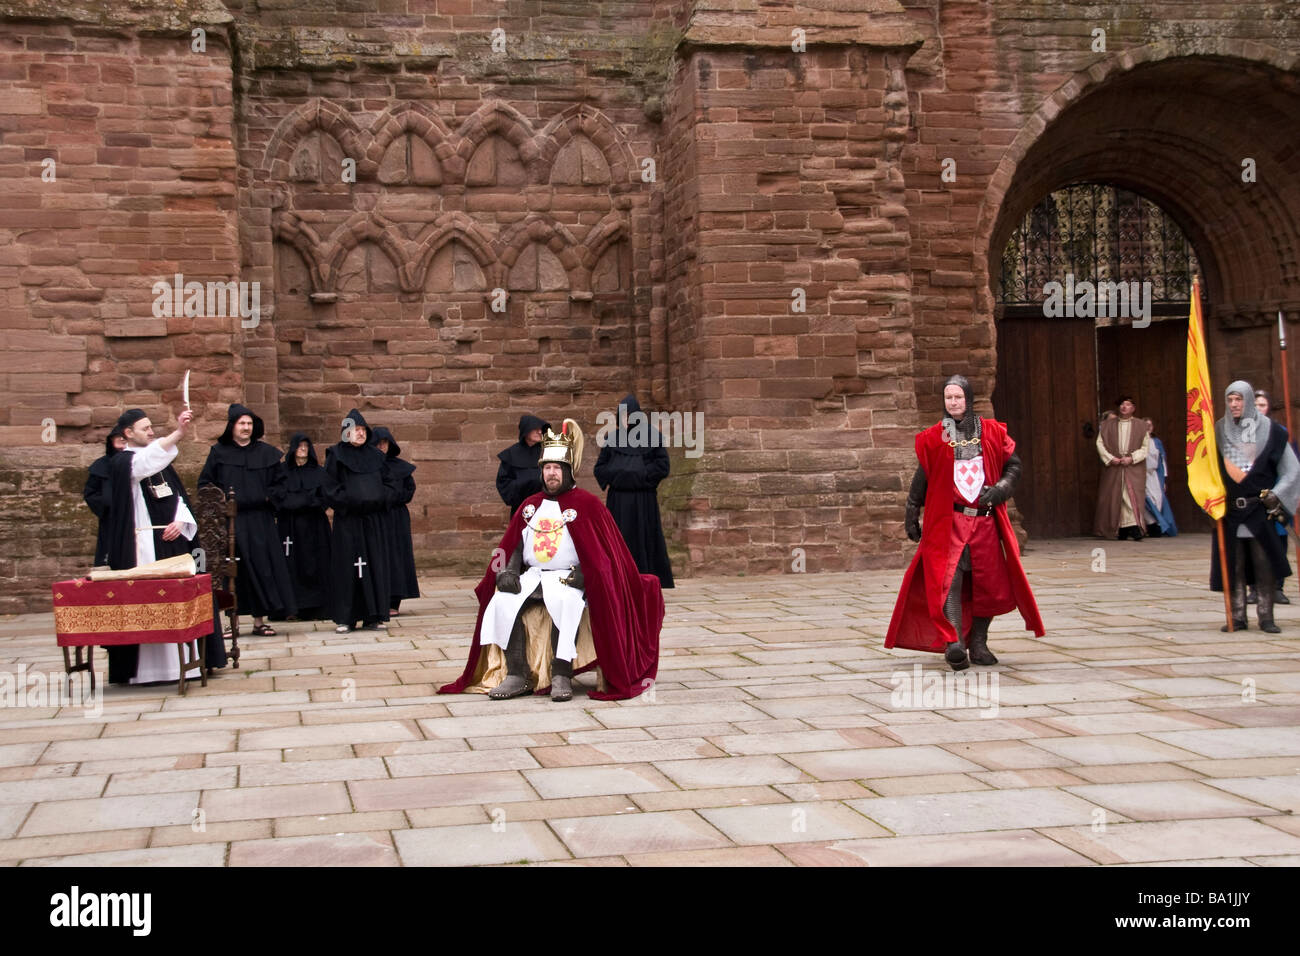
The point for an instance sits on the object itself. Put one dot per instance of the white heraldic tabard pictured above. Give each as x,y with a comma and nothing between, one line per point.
549,555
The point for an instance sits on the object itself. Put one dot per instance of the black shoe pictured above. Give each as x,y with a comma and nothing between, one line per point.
955,655
510,687
978,642
561,688
1280,598
1236,626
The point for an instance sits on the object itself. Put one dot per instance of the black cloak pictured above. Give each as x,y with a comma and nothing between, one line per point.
520,475
263,586
98,494
123,659
631,467
304,530
401,560
359,487
1261,477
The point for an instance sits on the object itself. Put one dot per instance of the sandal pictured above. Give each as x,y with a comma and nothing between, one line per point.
264,630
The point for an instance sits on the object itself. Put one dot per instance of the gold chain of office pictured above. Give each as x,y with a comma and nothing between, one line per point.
964,442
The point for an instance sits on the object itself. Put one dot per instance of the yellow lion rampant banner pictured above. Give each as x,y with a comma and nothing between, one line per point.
1203,478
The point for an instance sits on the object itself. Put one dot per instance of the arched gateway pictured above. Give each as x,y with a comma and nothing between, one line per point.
1174,131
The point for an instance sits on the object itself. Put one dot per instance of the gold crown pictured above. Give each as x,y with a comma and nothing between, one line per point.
565,447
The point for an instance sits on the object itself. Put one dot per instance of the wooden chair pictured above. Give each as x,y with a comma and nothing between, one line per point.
216,518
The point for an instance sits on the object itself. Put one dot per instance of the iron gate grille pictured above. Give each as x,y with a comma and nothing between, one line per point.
1097,233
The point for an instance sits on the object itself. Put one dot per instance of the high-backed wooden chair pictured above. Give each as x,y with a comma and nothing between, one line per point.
216,518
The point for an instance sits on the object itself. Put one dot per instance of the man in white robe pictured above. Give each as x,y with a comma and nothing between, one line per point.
149,459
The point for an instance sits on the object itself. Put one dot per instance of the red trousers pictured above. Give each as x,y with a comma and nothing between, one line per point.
989,586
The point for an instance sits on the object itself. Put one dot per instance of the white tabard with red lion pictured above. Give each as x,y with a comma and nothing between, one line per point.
549,555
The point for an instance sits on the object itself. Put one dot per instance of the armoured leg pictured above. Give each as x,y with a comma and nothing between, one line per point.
1266,585
979,641
955,654
1238,586
561,671
516,682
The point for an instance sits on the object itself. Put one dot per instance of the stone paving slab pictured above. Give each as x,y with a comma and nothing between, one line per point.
1135,733
976,811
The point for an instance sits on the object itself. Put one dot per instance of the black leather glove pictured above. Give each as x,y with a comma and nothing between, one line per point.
1274,506
912,510
508,577
912,522
576,580
994,495
1005,487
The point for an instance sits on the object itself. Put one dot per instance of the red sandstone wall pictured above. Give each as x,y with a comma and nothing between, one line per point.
775,170
789,181
139,129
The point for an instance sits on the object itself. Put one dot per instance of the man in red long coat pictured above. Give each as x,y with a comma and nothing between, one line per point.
967,569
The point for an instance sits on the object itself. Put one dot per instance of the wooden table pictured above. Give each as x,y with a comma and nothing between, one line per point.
138,611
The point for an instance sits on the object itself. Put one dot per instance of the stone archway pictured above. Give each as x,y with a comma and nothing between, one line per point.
1170,128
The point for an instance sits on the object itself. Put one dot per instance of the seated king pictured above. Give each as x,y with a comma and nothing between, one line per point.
569,598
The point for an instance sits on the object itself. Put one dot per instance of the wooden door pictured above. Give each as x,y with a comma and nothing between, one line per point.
1151,365
1047,394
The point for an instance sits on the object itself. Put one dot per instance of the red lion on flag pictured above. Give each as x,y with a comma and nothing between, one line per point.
1195,423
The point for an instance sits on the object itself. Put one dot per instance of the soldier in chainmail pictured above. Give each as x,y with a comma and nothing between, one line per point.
967,569
1261,478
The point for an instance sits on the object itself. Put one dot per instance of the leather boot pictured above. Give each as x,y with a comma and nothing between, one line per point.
1238,589
561,672
1267,588
516,683
978,641
955,653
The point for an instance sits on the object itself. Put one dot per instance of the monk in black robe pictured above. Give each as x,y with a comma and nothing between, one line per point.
520,473
631,464
98,492
402,558
145,490
304,529
359,487
242,461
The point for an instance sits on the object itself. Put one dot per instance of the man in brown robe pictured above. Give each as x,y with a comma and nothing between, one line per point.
1122,444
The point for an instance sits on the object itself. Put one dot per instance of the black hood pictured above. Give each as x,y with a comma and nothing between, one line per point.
290,455
380,432
354,417
233,414
631,422
363,459
528,423
109,450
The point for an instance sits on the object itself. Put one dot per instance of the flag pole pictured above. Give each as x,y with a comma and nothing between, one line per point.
1286,399
1223,576
1218,523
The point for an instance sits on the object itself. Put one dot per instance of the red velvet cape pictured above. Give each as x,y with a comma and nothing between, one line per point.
625,606
918,622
